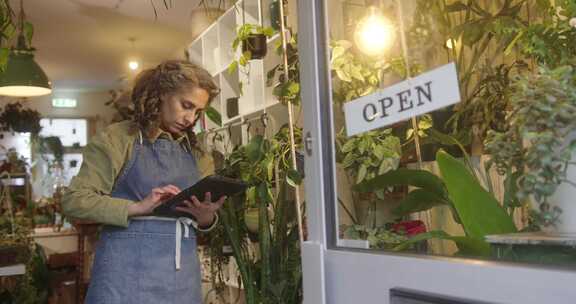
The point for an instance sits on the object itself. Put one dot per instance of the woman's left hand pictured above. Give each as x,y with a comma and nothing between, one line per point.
202,211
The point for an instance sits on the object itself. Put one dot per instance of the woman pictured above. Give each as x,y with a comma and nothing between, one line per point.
131,168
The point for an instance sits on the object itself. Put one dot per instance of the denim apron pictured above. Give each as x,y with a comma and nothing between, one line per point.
151,261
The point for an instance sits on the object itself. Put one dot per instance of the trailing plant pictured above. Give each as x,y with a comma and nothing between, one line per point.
16,242
379,237
536,150
287,89
16,118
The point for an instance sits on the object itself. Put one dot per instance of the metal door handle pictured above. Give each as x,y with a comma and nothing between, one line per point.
308,143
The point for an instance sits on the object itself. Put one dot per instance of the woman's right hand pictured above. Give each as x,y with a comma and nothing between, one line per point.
152,200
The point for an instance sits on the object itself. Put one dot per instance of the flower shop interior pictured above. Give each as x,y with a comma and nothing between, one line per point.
393,151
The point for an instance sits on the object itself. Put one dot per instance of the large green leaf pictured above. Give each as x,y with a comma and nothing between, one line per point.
417,178
479,211
213,115
418,200
254,149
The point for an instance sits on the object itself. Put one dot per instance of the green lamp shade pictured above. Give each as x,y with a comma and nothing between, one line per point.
23,77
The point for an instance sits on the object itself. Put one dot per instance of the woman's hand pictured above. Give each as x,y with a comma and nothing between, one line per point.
153,200
202,211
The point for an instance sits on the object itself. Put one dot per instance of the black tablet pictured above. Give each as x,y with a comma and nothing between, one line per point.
217,185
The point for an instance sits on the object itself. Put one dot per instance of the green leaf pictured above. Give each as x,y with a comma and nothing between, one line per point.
213,115
28,32
268,31
418,200
348,160
270,168
293,178
386,165
233,67
246,56
337,52
343,76
4,53
400,177
409,133
356,73
361,173
349,146
254,149
479,211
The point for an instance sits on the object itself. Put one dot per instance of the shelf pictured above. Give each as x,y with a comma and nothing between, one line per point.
211,51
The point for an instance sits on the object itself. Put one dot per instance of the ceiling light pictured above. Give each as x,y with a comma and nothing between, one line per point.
133,65
22,76
374,34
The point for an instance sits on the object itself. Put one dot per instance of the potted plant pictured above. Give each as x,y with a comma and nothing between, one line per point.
253,40
536,153
16,118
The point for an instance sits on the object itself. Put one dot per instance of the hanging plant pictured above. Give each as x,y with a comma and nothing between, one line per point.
16,118
287,89
252,38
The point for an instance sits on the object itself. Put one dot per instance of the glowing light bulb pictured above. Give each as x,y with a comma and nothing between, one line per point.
374,34
453,43
133,65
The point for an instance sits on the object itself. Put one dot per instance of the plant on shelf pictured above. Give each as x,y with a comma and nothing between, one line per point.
252,39
535,152
18,247
16,118
269,269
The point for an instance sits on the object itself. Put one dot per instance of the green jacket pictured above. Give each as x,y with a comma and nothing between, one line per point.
88,196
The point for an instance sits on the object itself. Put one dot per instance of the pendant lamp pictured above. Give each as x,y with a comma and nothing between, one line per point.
23,77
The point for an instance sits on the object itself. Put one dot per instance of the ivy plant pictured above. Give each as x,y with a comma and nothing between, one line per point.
535,151
286,89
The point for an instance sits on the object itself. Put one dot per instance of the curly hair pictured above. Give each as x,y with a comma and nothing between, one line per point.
167,78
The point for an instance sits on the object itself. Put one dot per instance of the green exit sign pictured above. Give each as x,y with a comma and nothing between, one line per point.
64,103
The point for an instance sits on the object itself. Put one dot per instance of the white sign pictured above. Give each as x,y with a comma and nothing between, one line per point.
422,94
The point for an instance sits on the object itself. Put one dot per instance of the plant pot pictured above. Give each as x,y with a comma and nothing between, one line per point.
232,107
256,44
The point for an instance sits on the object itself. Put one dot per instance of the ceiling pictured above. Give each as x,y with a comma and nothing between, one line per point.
84,45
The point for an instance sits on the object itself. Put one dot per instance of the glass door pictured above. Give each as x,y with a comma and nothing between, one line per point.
408,111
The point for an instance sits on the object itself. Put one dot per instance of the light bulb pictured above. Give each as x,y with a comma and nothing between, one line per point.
451,43
133,65
374,34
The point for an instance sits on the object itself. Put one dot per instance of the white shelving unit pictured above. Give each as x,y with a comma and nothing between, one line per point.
213,50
